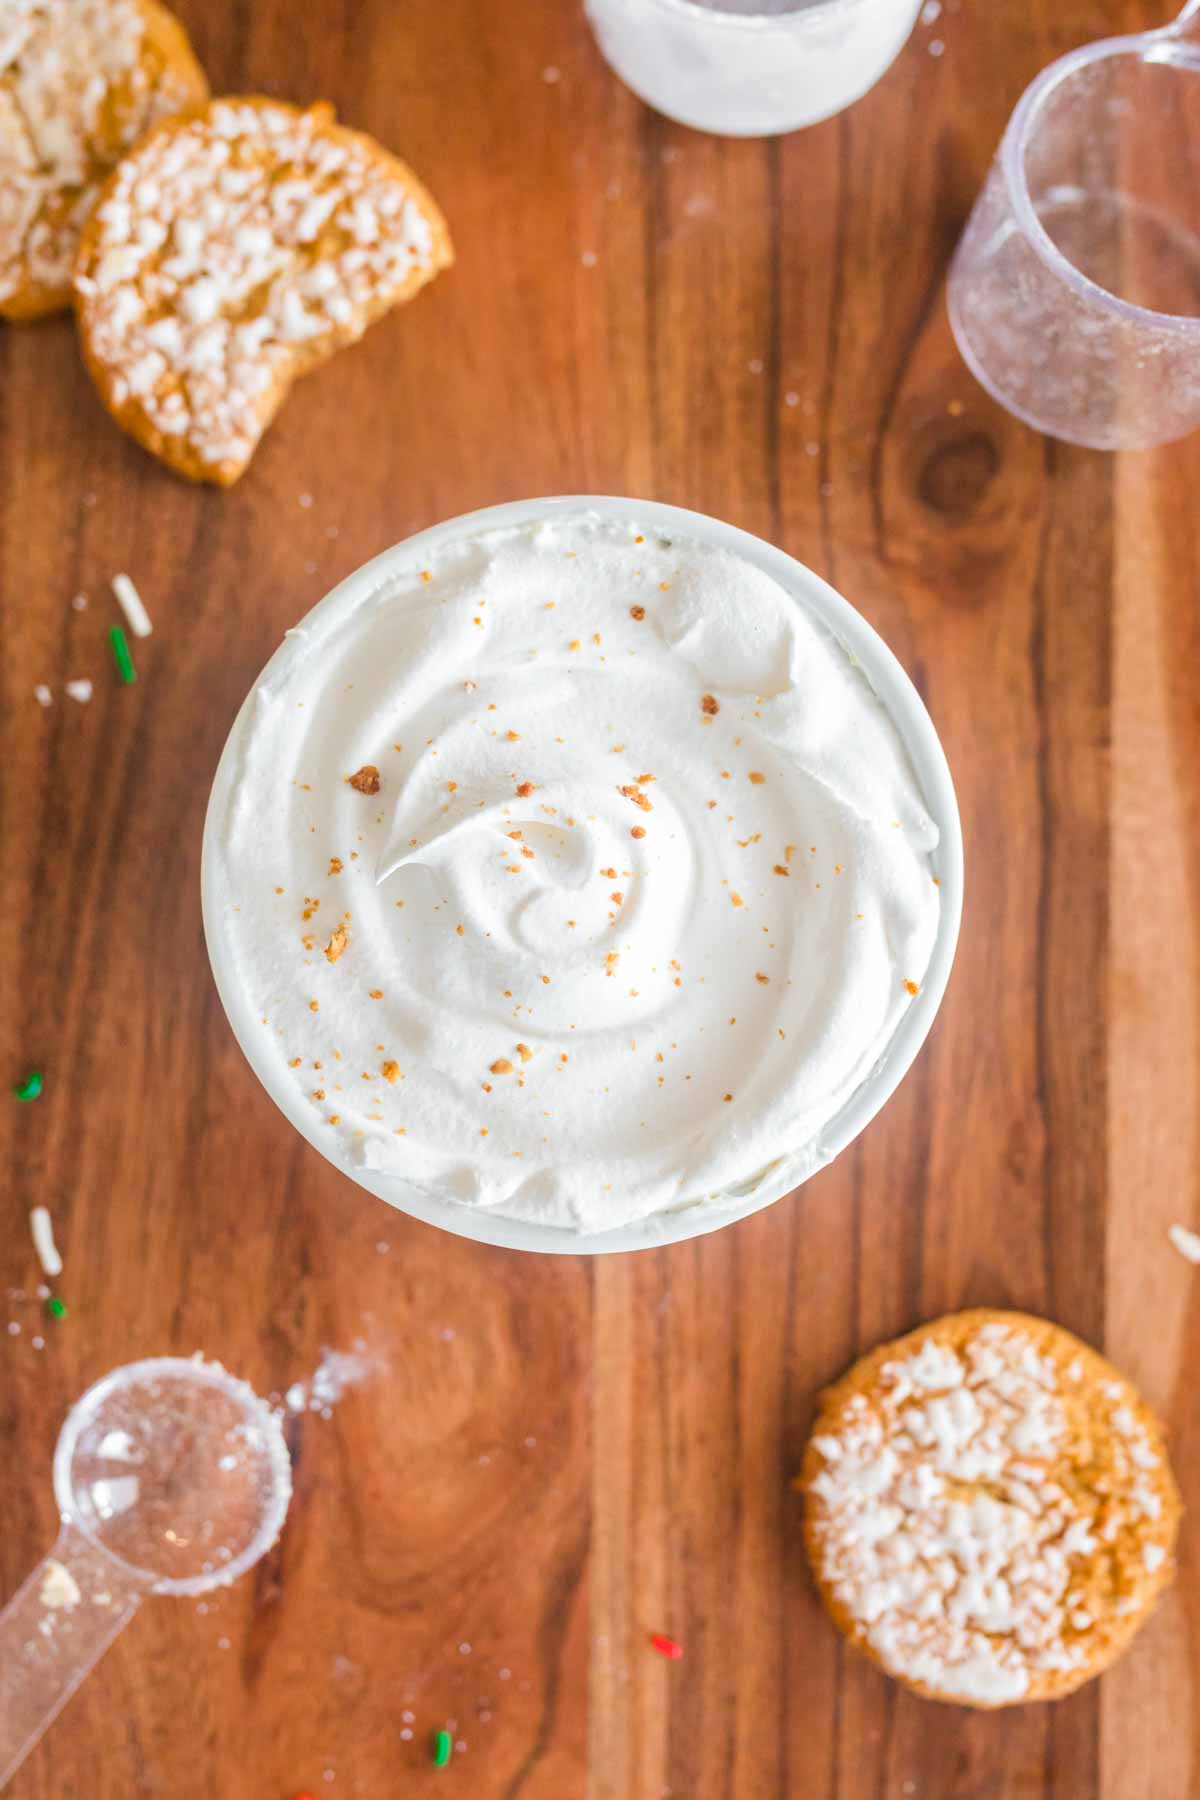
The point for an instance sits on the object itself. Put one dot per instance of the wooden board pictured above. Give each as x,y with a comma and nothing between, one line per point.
564,1456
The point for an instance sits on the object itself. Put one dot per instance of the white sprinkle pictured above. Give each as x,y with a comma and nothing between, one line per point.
382,1248
222,1643
406,1734
14,1330
464,1649
755,365
296,1398
130,602
42,1227
408,1717
530,1442
39,1343
931,12
460,1746
1186,1242
448,1334
791,399
42,695
305,500
550,75
936,47
80,603
59,1590
80,690
589,259
506,1674
812,448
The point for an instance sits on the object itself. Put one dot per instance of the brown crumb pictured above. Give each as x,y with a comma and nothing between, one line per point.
710,706
335,1118
314,1006
525,1053
781,870
911,987
736,900
643,779
639,831
763,978
756,777
638,613
617,897
611,961
377,993
453,786
391,1072
295,1063
526,788
336,944
318,1093
501,1066
460,930
483,1131
789,851
729,1096
512,737
638,798
335,865
366,779
574,644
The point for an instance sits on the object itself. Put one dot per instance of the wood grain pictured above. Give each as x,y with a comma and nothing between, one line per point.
561,1457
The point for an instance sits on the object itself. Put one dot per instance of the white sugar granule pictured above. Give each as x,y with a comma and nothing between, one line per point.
1186,1242
42,695
80,690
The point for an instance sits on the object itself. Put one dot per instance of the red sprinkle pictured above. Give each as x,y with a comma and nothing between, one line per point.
666,1646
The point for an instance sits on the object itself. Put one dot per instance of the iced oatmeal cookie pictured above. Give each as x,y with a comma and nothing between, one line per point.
990,1514
80,82
231,253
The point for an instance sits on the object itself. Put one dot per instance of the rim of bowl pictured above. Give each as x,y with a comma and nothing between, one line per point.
730,21
908,713
1014,149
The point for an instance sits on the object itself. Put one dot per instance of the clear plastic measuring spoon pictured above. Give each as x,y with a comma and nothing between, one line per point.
1075,291
171,1477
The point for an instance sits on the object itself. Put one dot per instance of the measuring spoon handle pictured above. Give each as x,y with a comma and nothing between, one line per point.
53,1631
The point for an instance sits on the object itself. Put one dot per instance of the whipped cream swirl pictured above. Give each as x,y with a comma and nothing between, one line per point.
578,876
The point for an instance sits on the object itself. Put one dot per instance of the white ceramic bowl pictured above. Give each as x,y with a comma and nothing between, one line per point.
920,739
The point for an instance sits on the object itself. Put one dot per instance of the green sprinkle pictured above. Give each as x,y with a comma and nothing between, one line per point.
120,646
31,1087
56,1308
442,1747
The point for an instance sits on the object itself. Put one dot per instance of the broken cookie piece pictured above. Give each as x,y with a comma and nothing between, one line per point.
233,252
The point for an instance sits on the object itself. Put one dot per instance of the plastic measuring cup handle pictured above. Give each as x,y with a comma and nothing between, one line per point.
52,1633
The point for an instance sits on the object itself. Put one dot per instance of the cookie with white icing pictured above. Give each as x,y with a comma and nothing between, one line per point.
80,82
990,1514
231,253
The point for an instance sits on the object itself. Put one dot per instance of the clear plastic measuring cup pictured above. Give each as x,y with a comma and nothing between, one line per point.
171,1477
1075,291
751,68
